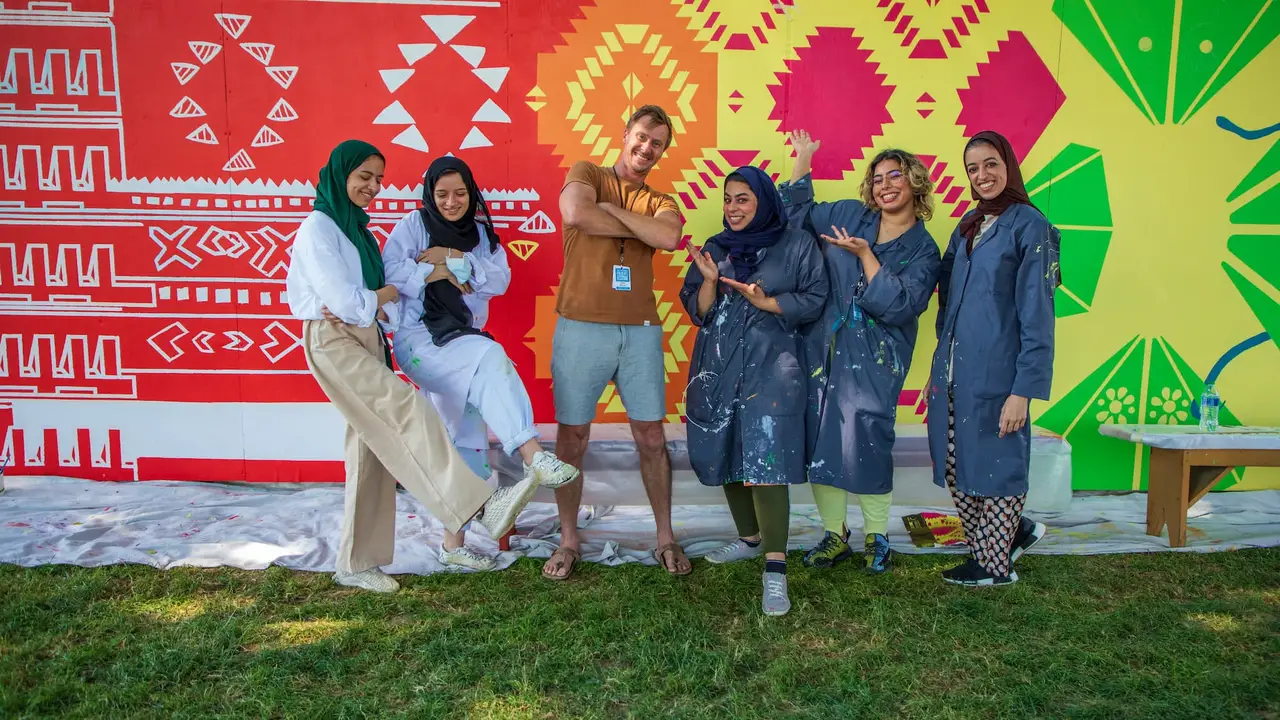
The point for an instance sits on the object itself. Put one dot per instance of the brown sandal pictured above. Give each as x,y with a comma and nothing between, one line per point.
564,554
677,554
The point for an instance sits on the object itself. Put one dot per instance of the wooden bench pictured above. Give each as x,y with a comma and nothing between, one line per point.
1186,463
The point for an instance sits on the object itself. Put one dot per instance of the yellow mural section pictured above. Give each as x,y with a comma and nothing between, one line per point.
1133,119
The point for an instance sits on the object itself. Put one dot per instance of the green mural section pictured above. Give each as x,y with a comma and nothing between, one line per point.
1260,253
1071,190
1145,381
1194,47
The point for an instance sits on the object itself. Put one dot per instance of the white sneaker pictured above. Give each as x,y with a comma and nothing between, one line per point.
467,558
372,579
504,506
775,601
550,470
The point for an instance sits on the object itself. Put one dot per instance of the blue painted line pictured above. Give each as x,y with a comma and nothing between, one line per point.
1226,358
1229,126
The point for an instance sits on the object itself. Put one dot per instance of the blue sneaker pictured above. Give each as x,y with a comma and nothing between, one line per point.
879,556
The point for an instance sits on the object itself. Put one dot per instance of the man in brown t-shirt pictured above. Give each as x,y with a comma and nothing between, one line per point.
608,329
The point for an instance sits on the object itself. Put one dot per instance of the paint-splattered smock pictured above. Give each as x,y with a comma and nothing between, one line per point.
995,339
746,395
860,352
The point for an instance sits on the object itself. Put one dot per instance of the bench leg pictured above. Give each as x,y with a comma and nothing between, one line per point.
1163,479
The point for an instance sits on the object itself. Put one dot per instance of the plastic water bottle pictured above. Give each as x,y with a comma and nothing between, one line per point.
1209,402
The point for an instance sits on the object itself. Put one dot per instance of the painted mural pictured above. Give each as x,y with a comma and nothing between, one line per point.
158,157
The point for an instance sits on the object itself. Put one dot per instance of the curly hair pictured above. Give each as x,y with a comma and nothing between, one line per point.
917,176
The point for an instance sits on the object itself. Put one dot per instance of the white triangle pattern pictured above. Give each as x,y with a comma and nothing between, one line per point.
203,135
283,74
447,27
475,139
204,51
239,161
184,71
493,77
282,112
393,79
261,52
473,54
187,108
232,23
413,52
266,137
490,112
412,139
394,114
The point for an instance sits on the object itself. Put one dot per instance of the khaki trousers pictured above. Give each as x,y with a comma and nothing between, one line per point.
393,433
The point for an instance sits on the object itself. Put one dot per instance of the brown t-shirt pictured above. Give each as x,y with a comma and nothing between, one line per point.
586,287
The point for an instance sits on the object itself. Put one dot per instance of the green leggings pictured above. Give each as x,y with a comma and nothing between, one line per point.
763,509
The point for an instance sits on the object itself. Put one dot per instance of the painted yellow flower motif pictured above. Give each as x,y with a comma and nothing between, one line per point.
1117,405
1170,406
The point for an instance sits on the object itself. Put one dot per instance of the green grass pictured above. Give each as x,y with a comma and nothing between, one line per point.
1163,636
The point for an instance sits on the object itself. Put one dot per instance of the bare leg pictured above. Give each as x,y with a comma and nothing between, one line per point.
655,471
453,541
571,447
529,449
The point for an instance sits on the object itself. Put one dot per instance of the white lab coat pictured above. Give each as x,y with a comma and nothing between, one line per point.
444,373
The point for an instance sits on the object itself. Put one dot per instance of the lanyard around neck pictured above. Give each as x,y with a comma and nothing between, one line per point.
622,242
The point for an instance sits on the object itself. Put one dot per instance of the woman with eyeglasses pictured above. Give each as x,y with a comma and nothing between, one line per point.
882,266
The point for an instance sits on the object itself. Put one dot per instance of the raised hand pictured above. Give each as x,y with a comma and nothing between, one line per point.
804,144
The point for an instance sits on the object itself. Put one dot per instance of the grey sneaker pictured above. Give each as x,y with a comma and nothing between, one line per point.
372,579
550,470
775,601
505,504
734,551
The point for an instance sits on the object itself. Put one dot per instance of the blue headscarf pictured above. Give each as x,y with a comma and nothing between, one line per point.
764,230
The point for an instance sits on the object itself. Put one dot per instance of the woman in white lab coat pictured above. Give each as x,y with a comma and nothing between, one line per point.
447,263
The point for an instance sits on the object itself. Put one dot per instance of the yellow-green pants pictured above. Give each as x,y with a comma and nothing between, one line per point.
833,507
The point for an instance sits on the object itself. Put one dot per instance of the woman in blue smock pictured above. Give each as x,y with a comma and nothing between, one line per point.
995,353
882,266
751,291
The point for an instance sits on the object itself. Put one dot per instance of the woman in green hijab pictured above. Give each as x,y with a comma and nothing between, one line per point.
337,287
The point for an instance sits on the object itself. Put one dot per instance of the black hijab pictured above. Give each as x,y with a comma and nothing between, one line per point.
444,311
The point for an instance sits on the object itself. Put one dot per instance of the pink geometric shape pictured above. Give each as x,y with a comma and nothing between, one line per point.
953,195
735,108
739,41
834,92
961,209
925,112
715,169
960,26
952,40
736,94
928,49
736,158
926,97
1013,94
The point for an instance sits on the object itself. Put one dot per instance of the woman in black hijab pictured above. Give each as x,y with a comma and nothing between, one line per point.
448,263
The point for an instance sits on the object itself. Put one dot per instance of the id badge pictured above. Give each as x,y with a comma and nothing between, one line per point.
621,278
857,312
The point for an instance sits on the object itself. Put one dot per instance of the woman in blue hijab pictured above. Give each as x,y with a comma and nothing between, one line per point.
752,290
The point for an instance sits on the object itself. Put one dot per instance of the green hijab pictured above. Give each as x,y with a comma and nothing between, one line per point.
332,200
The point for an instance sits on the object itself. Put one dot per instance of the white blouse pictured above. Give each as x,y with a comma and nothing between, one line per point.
324,271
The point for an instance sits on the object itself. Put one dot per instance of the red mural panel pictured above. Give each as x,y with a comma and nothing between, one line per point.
157,159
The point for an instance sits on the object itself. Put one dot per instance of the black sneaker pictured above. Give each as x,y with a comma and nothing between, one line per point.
879,556
1029,533
971,574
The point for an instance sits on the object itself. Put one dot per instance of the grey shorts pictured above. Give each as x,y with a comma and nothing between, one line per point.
585,356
